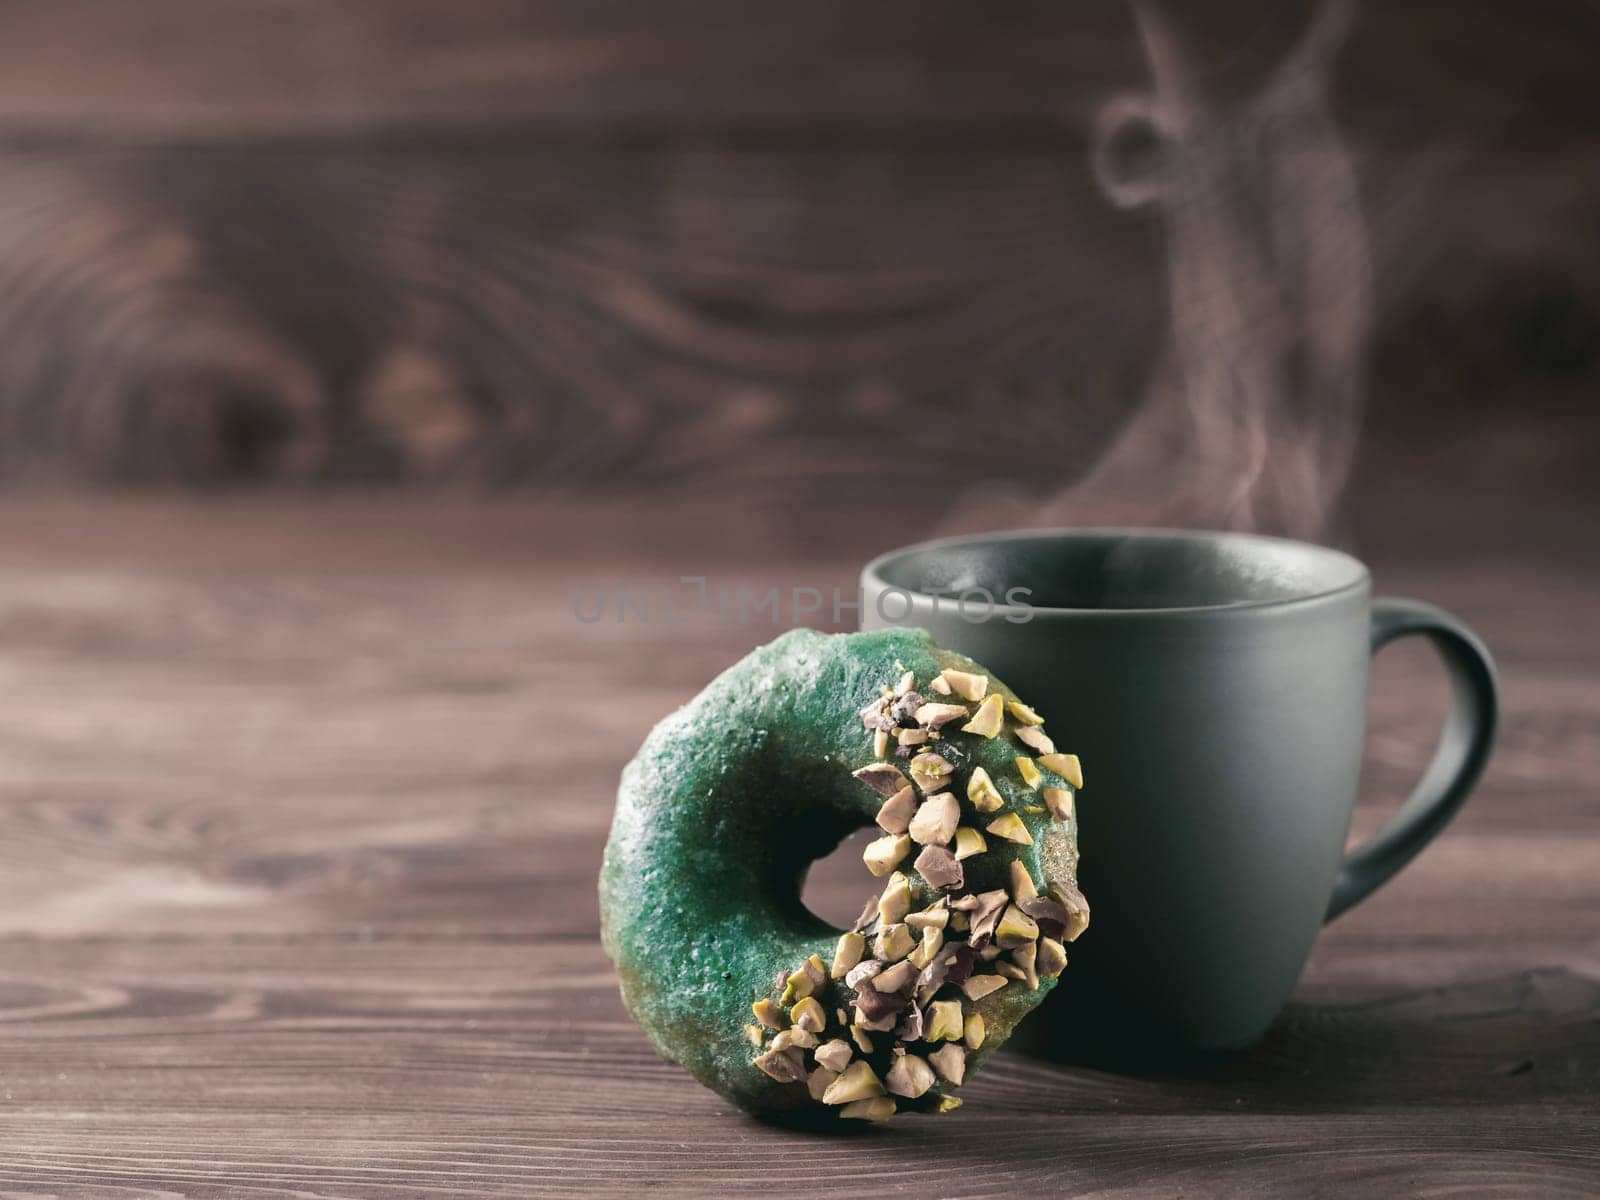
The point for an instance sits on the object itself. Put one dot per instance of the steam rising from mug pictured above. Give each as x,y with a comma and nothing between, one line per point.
1251,417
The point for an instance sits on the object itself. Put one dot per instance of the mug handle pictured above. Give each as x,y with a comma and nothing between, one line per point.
1457,763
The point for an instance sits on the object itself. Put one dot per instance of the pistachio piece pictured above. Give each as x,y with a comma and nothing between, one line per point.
928,771
859,1036
809,1015
985,908
958,922
896,978
909,1076
978,986
876,716
965,684
885,854
847,954
753,1034
882,1023
834,1054
985,797
947,1104
1035,739
1059,802
1010,827
1077,908
1029,772
911,737
943,1021
786,1066
1052,958
934,715
817,1082
790,1039
907,682
895,942
818,970
940,868
857,975
880,1108
1009,970
855,1082
1026,957
880,743
934,824
895,813
932,942
939,685
969,842
1022,714
974,1031
1022,886
883,778
990,952
798,985
950,1061
769,1014
1015,928
935,916
989,719
1064,765
895,902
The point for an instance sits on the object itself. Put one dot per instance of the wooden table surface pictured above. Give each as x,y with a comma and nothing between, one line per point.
300,817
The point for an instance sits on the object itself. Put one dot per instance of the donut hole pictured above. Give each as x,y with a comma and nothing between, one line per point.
837,884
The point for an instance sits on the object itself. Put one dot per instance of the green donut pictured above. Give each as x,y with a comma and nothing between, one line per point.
731,799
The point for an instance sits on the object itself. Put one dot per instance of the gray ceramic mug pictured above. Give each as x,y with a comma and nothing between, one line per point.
1214,686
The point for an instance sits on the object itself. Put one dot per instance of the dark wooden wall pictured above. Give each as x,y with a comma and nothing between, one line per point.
702,248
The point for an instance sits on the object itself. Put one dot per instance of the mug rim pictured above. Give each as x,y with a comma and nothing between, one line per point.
873,576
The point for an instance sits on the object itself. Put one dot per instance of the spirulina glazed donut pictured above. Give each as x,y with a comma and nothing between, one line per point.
730,800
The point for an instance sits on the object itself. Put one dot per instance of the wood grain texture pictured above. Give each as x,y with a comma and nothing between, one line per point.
301,807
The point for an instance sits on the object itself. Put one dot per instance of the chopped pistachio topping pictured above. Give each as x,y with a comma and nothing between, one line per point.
929,771
1015,928
862,1041
1010,827
911,737
1035,739
935,822
950,1061
834,1054
1022,886
1034,810
969,842
947,1104
880,743
943,1022
896,978
1026,957
1059,802
768,1013
885,854
895,902
879,1108
935,715
940,868
789,1039
798,985
965,684
883,778
989,719
817,1082
909,1076
897,810
959,922
809,1015
935,916
974,1031
895,942
847,954
1052,958
932,942
1029,772
858,1081
981,791
939,685
1022,714
1064,765
907,682
978,986
753,1033
786,1066
1077,908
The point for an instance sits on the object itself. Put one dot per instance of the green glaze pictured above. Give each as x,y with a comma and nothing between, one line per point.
721,813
